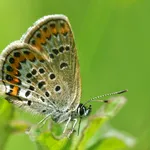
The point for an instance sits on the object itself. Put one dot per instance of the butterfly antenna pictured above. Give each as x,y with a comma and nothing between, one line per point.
105,101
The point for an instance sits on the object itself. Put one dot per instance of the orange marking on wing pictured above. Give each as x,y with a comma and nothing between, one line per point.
42,39
67,29
15,65
53,30
30,56
16,80
37,45
62,30
21,58
47,33
16,73
15,91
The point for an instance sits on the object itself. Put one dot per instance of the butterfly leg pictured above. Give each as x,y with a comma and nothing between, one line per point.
43,121
33,132
66,125
72,130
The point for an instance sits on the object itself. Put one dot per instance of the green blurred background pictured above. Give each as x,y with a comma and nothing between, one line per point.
112,38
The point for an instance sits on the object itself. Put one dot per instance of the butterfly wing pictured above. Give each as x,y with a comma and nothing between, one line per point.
49,70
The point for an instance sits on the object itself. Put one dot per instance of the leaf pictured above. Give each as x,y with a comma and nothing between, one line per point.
112,143
6,114
47,140
92,127
115,140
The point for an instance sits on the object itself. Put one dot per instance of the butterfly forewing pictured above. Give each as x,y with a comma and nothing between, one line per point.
43,74
53,37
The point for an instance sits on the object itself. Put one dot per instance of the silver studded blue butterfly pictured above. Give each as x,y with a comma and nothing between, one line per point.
40,73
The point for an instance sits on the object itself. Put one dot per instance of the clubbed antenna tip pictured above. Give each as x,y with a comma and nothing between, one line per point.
109,94
123,91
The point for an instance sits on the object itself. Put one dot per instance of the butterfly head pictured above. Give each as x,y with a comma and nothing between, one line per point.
83,111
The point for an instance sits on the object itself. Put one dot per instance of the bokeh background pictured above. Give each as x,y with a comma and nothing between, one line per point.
112,38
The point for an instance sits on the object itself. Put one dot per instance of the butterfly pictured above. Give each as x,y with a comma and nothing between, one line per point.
40,72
